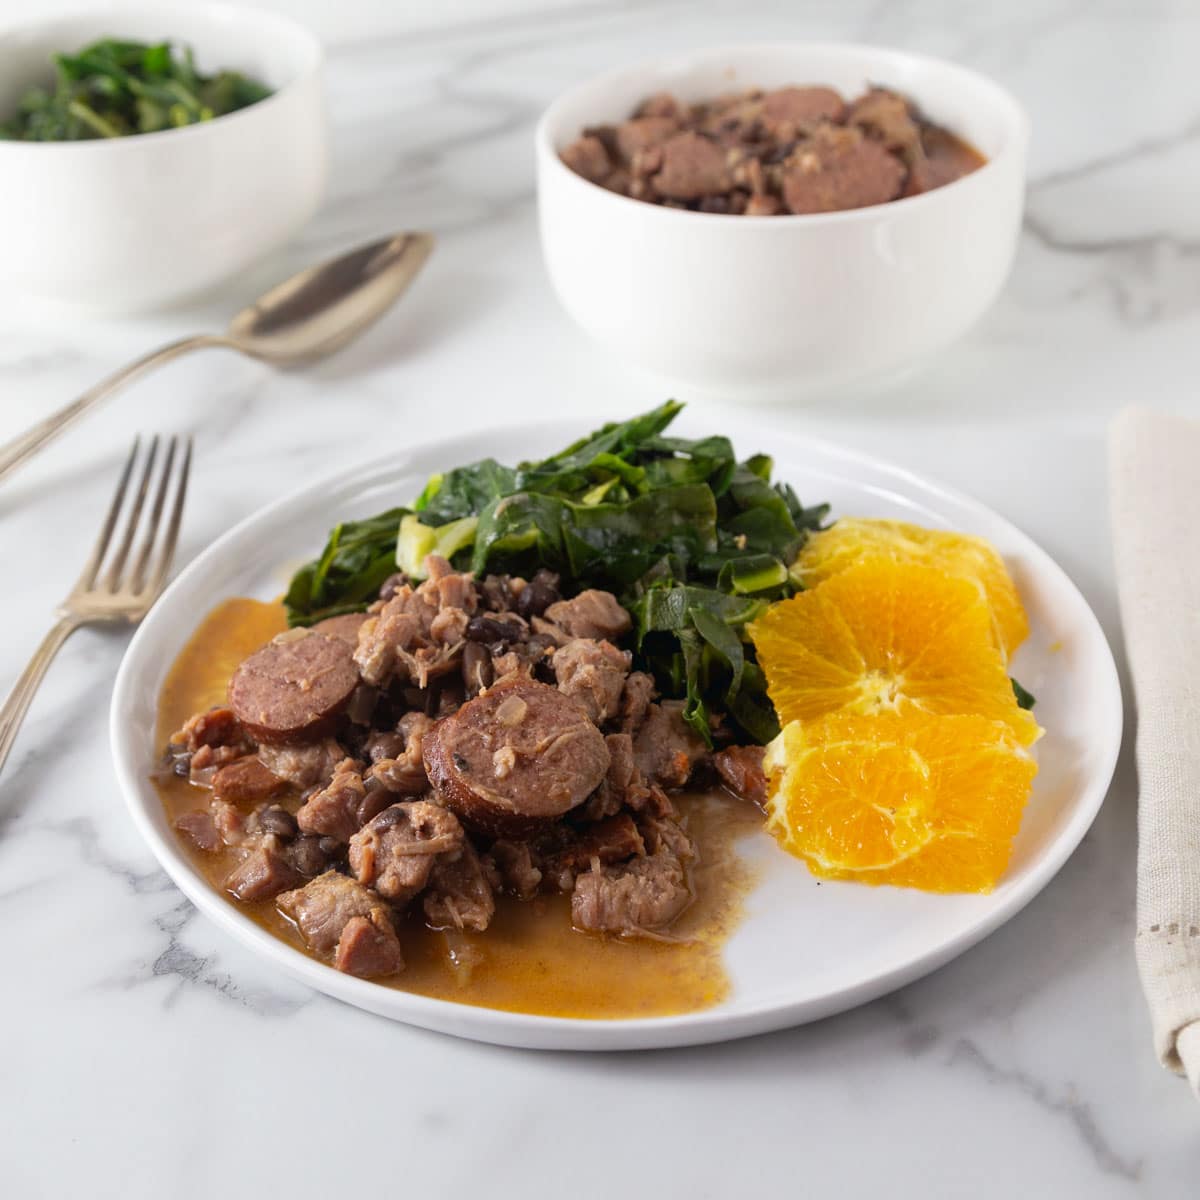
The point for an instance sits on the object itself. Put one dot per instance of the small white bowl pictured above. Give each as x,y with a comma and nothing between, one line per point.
808,303
138,221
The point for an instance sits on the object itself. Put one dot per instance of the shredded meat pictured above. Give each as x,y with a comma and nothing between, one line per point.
340,808
323,906
302,764
418,634
515,868
395,851
636,897
592,673
459,895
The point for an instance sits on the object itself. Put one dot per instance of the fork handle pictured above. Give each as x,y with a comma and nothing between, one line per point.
27,444
21,696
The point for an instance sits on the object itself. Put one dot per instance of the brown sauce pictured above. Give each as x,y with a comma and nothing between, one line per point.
530,960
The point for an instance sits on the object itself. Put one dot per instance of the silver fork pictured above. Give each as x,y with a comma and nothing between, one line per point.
109,591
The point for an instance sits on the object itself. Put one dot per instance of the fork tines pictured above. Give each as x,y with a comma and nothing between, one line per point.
106,570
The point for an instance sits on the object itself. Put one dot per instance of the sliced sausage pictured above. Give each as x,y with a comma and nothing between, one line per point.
345,627
294,687
515,758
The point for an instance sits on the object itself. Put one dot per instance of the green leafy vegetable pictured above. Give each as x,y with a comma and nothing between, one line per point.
114,88
694,543
1024,699
356,560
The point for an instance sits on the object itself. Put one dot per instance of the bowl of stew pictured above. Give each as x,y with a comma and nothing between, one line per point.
122,206
792,220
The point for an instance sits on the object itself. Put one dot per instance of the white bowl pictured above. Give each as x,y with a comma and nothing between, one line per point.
812,302
133,222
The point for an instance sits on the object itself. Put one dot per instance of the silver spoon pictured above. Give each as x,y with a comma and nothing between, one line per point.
302,319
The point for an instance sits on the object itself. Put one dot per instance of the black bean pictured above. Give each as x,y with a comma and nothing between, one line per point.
384,745
329,846
494,629
307,856
477,670
538,594
714,204
389,817
278,821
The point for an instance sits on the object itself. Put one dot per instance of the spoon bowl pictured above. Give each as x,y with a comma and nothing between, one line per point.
305,318
324,308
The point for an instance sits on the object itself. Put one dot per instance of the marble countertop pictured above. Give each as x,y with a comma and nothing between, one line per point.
143,1053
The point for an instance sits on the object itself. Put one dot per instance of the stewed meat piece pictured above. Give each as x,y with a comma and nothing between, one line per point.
588,157
693,166
340,808
636,897
418,634
515,758
395,851
322,908
591,614
263,873
515,868
302,764
246,780
369,947
458,895
216,727
789,111
593,673
888,119
294,687
741,771
200,829
838,168
667,748
635,701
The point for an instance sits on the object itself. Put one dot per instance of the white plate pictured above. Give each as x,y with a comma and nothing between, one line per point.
803,951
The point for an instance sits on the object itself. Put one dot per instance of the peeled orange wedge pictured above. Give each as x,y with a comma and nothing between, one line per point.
883,636
932,802
852,540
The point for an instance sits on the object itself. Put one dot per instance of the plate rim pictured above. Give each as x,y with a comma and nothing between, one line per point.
526,1030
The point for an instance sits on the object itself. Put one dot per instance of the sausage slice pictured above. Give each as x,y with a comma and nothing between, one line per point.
294,687
515,758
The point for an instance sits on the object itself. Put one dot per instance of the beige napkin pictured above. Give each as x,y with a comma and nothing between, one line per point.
1154,463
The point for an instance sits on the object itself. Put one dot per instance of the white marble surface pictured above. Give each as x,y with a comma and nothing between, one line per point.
143,1054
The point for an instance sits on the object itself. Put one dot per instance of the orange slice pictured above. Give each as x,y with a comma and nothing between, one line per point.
885,636
914,800
851,540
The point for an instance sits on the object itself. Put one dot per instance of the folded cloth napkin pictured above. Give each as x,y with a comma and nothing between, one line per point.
1154,466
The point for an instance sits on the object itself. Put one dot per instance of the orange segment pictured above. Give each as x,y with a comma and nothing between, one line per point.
914,800
852,540
884,636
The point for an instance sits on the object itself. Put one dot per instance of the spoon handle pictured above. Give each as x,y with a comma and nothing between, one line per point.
27,444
